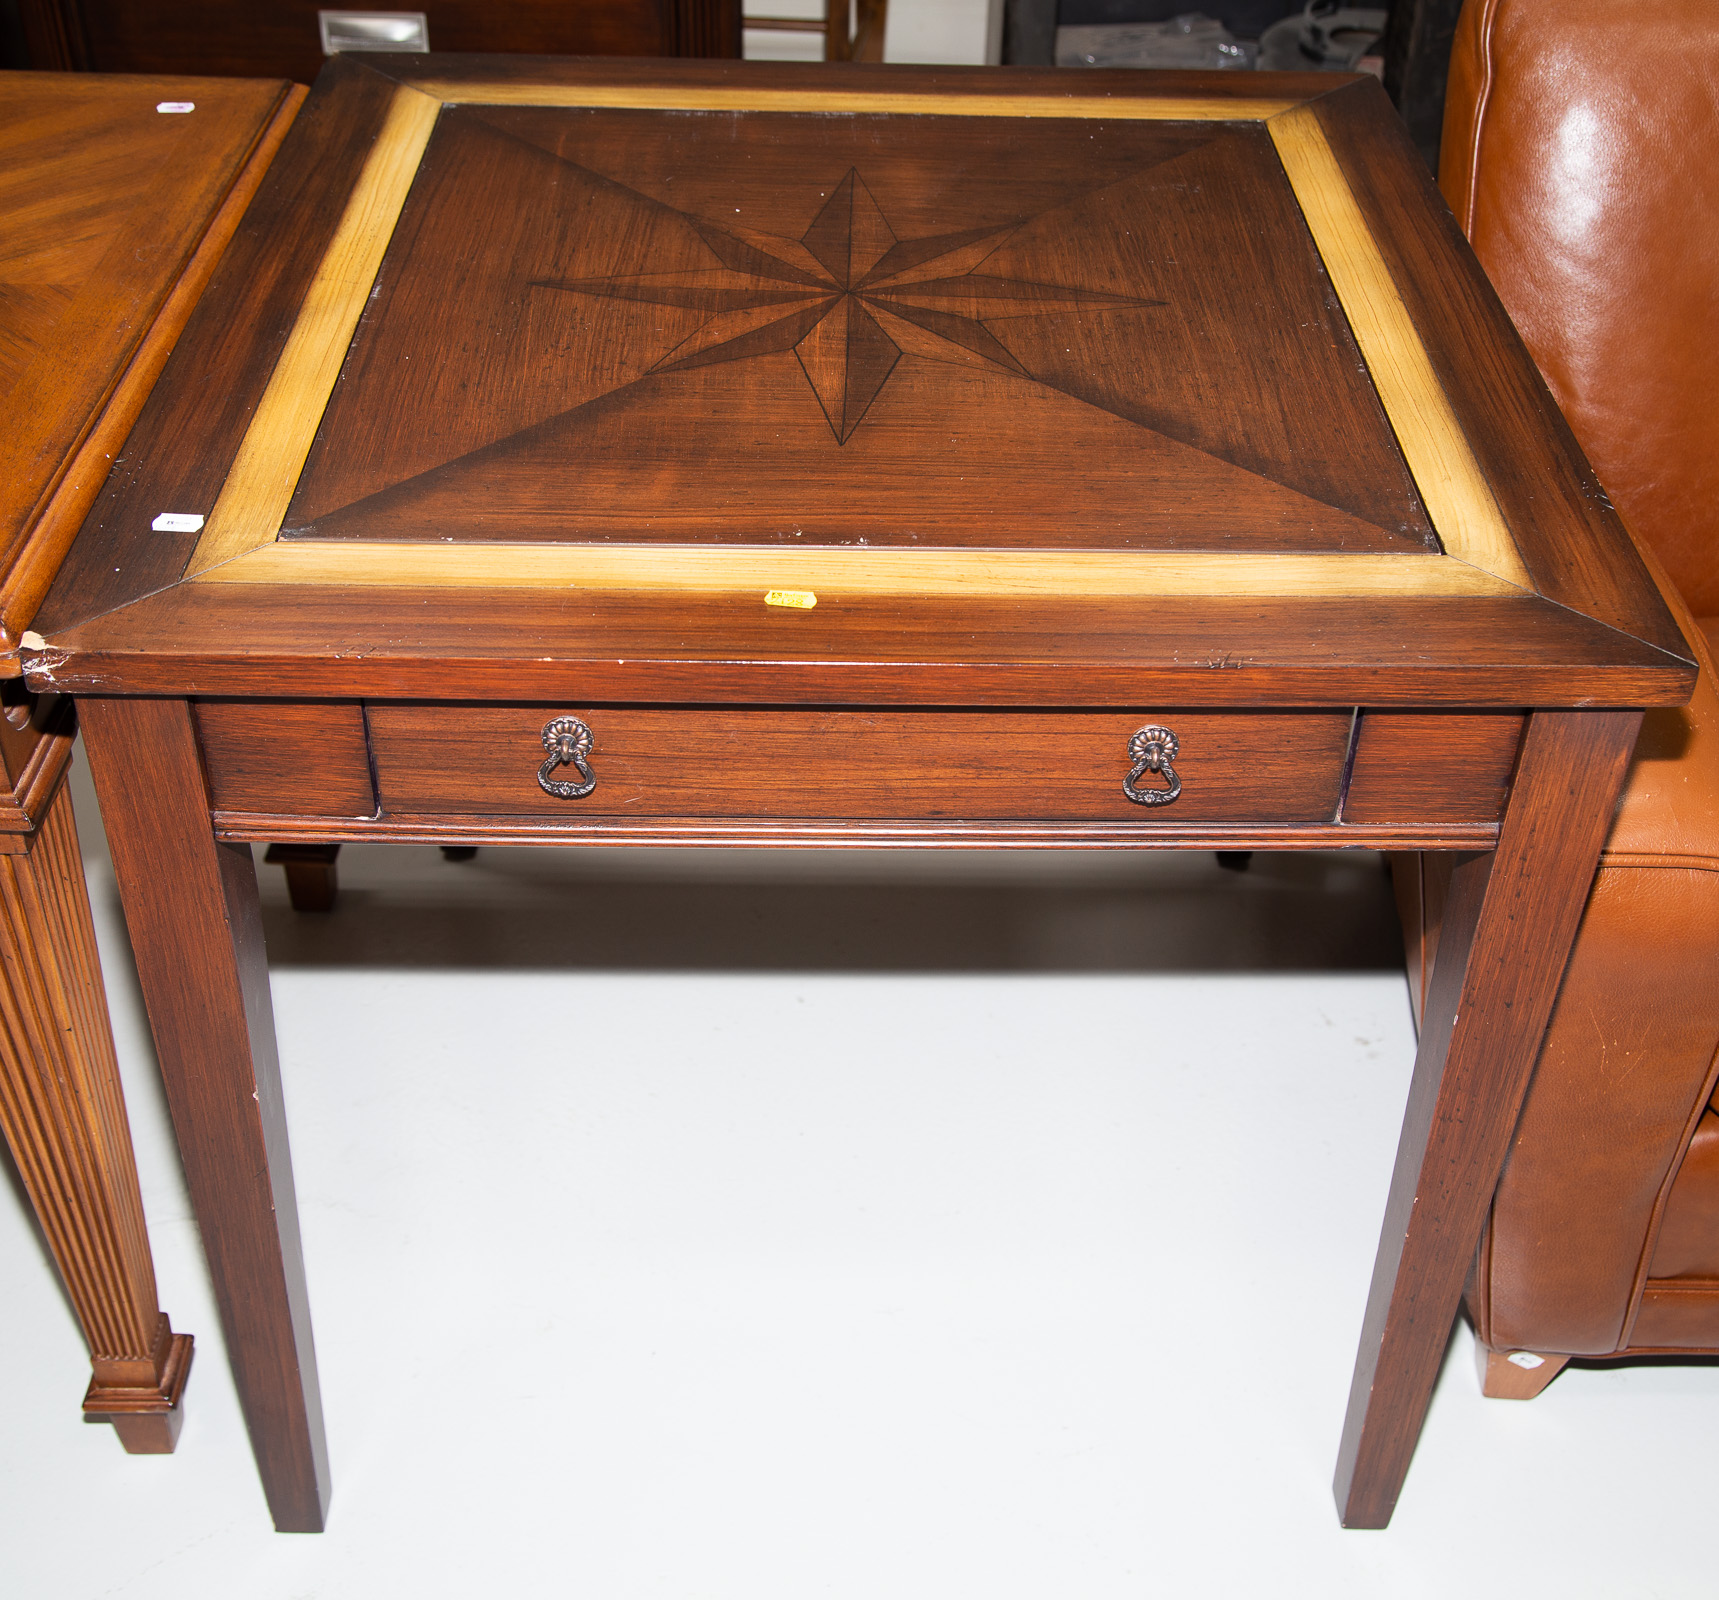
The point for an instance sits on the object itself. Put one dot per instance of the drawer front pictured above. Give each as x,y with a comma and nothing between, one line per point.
287,758
751,762
1432,766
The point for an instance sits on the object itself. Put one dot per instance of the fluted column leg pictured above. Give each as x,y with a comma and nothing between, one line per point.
63,1113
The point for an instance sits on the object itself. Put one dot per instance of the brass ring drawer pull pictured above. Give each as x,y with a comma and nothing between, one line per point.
568,742
1152,749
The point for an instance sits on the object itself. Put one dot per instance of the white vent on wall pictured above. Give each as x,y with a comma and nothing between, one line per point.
373,30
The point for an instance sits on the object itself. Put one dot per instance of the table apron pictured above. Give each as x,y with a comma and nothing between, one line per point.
890,777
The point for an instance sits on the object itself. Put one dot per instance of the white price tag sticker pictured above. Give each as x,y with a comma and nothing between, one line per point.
176,105
178,522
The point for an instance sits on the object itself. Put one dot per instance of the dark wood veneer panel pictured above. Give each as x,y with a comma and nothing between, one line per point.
599,373
1413,766
284,757
758,762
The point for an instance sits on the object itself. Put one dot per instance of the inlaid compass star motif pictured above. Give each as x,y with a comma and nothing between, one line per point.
847,298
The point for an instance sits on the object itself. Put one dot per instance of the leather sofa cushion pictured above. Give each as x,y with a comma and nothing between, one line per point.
1680,1315
1627,1060
1688,1244
1670,804
1619,217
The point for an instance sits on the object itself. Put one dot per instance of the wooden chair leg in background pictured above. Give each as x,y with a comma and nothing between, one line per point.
312,879
1514,1375
853,29
63,1112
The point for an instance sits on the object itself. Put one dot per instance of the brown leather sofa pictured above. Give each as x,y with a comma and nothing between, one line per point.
1581,156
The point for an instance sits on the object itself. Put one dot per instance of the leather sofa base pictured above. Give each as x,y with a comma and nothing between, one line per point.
1677,1314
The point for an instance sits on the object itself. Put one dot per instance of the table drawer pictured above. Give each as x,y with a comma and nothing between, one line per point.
754,762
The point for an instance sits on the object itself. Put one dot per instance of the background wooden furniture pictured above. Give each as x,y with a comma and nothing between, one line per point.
117,208
812,473
281,39
1604,1235
853,29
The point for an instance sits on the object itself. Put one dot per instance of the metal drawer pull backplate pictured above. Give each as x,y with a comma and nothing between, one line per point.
1151,750
568,742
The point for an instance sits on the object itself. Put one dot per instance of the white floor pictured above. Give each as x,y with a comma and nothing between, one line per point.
769,1226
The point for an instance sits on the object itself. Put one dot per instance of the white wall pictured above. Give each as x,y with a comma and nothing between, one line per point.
954,31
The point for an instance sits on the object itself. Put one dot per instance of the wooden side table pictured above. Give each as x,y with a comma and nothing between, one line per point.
834,457
120,195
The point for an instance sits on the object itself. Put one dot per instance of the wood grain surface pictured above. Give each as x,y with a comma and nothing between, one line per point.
61,511
849,833
824,99
224,359
839,573
1470,526
191,908
926,765
255,495
1426,767
115,215
1508,924
285,757
821,352
36,734
758,330
63,1113
252,641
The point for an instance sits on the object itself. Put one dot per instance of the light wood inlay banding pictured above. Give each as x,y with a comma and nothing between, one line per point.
665,97
1449,478
259,488
831,571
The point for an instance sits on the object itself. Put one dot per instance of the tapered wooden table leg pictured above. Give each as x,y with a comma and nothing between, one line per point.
64,1116
1508,925
191,907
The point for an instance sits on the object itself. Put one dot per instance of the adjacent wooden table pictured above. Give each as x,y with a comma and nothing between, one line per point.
119,195
722,455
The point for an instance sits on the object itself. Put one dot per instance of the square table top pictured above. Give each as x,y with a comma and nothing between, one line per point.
1056,388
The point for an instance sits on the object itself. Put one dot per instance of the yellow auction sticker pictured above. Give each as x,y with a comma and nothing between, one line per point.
800,599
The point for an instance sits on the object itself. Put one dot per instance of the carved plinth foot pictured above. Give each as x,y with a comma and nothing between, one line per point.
63,1114
141,1398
